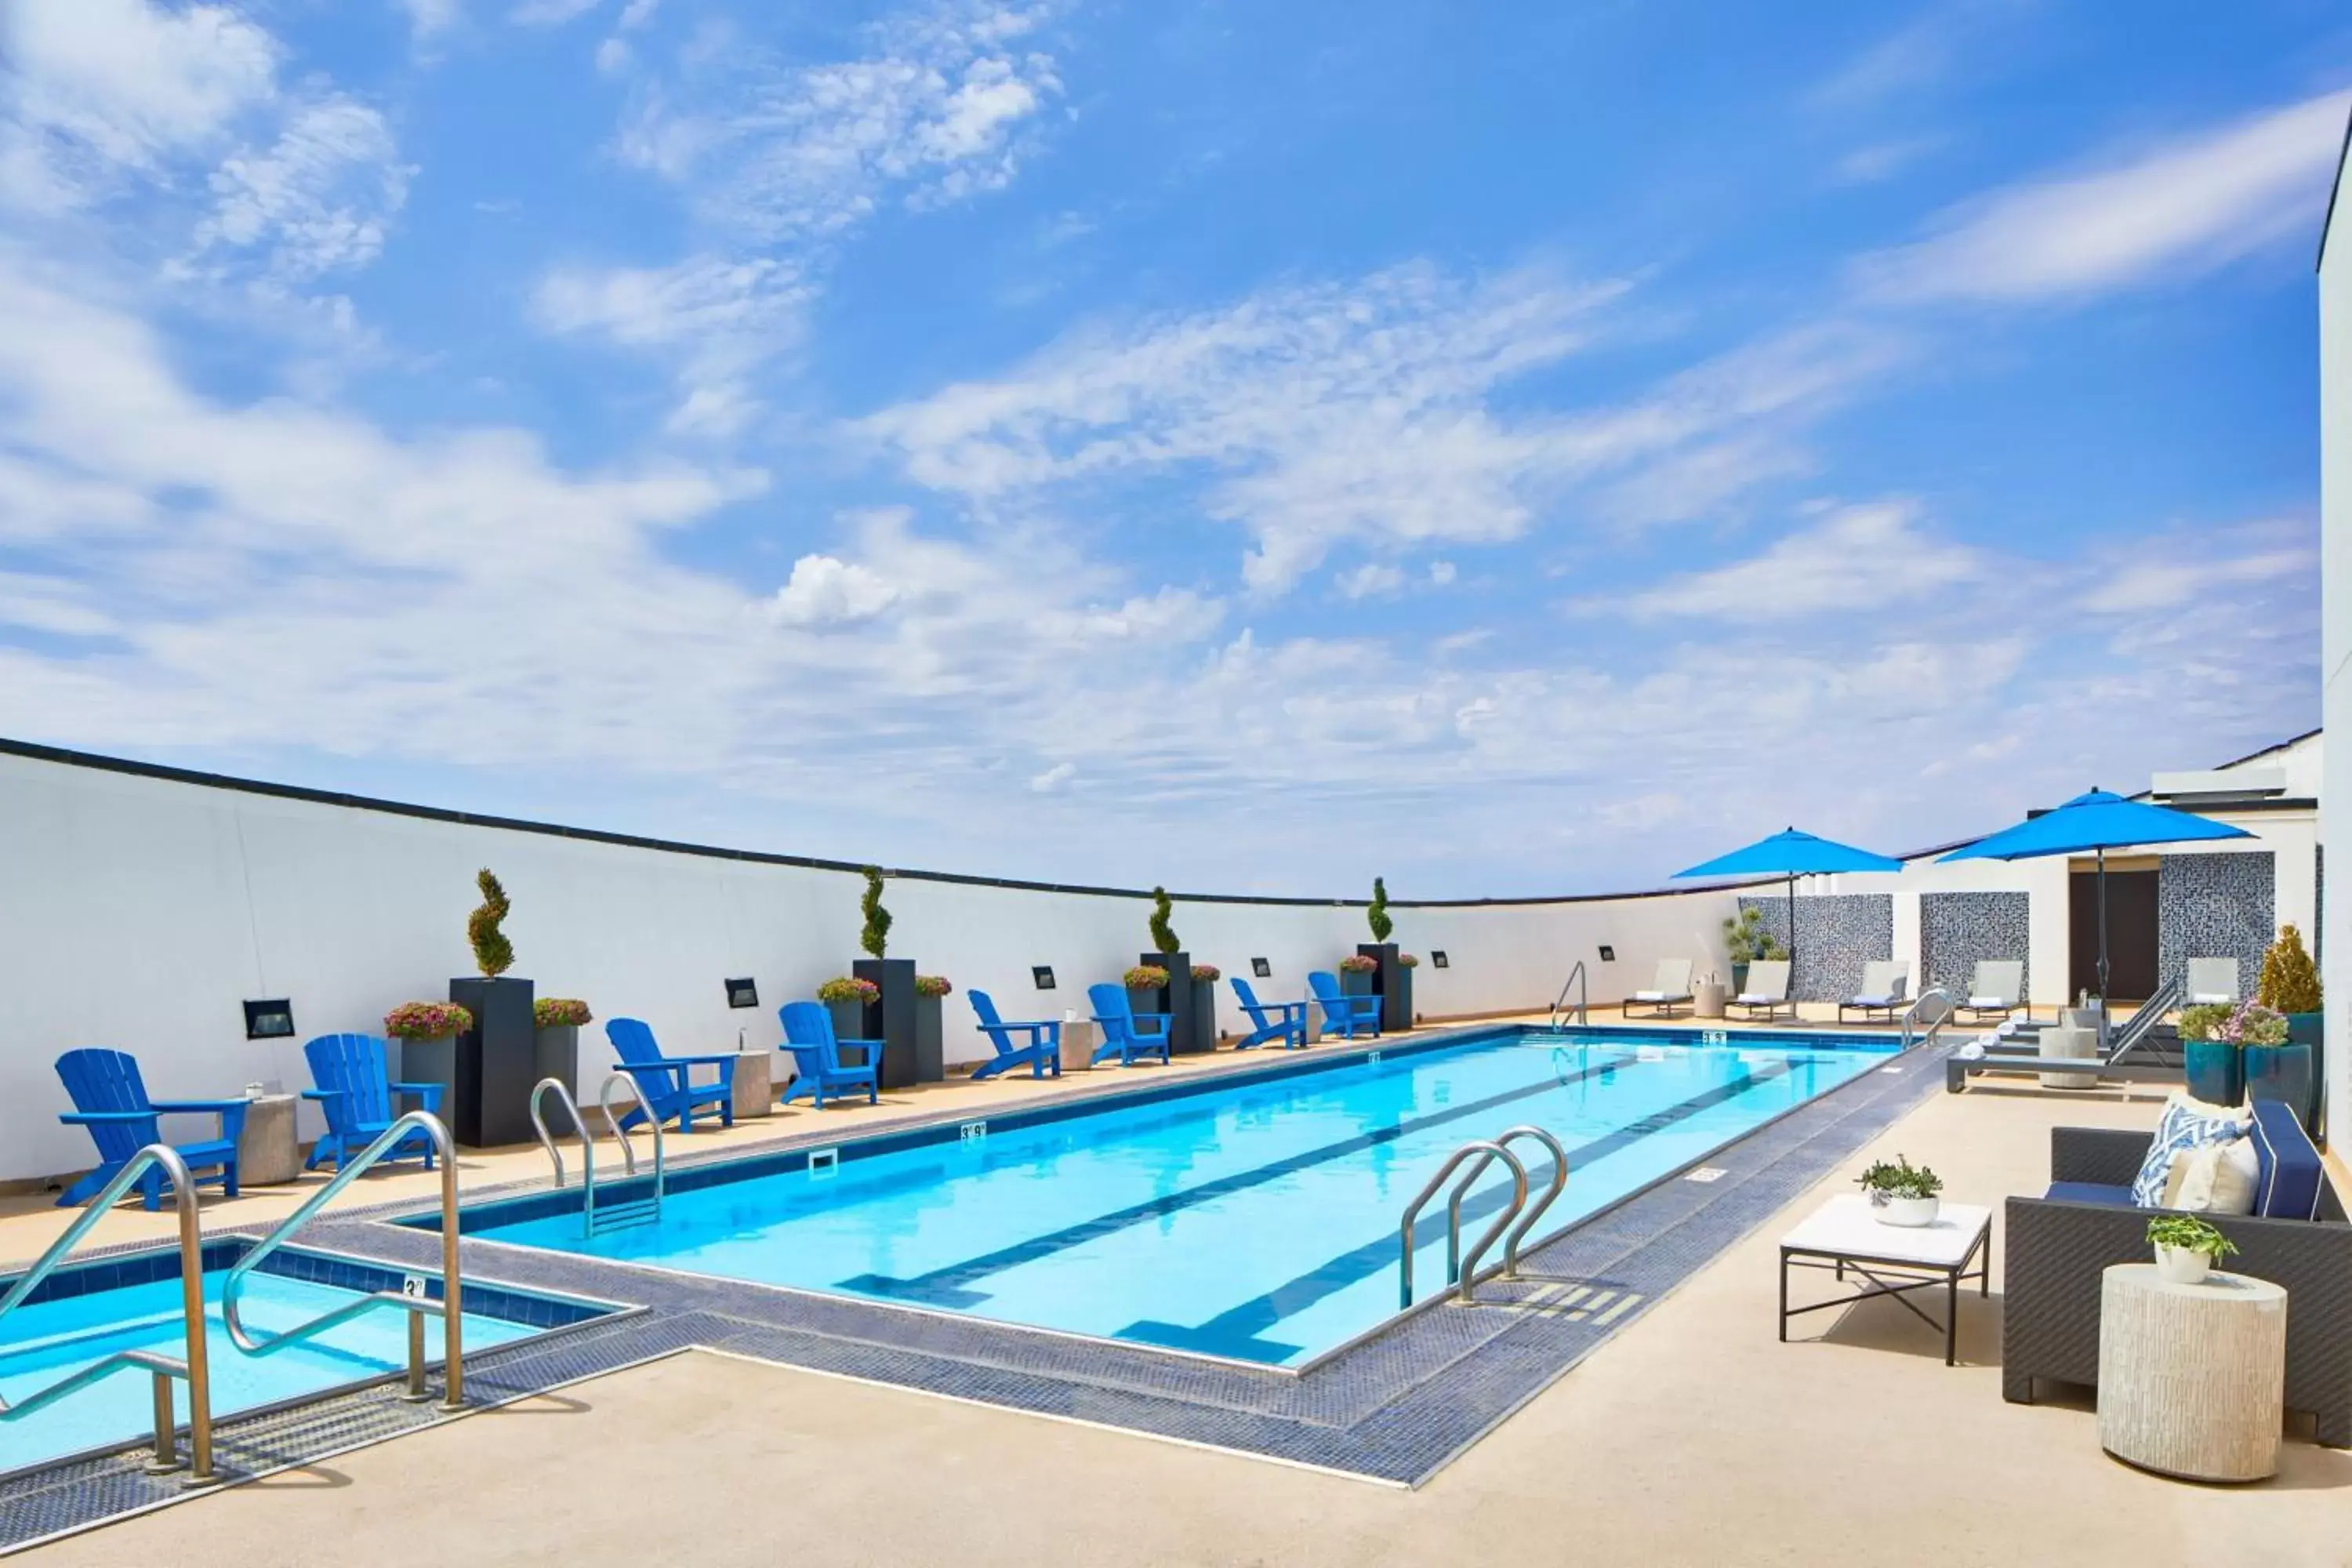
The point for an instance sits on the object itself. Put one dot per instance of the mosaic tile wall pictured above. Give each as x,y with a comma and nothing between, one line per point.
1955,930
2212,906
1836,935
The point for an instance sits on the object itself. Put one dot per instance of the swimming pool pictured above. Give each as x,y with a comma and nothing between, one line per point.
1254,1218
88,1311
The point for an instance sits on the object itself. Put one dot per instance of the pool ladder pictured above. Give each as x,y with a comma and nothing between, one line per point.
1559,1004
597,1219
1511,1226
1918,1012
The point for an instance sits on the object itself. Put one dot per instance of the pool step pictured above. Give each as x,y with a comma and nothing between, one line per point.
621,1216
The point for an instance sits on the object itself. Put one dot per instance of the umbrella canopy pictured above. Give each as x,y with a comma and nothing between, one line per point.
1792,853
2097,821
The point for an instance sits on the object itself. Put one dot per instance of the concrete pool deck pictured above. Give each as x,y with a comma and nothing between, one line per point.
1693,1437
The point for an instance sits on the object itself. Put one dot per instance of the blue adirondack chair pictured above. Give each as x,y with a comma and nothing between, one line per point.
1345,1015
1043,1050
666,1086
1284,1021
110,1100
356,1091
1127,1034
816,1054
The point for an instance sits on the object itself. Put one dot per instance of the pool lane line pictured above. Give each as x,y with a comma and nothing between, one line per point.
949,1286
1237,1332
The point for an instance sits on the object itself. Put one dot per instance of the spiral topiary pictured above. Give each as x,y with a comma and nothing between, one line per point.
1163,935
875,937
1376,914
493,954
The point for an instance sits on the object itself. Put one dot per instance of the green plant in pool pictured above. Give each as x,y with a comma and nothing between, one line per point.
2187,1233
1163,935
1902,1179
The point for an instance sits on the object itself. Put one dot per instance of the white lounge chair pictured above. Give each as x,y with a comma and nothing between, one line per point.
1672,990
1996,989
1885,987
1768,989
2212,980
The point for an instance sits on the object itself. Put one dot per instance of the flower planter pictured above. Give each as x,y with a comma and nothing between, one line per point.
2305,1030
1353,983
1204,1015
1392,983
848,1020
555,1053
892,1021
2215,1071
426,1061
2281,1073
1184,1038
488,1103
1908,1213
1739,978
2180,1266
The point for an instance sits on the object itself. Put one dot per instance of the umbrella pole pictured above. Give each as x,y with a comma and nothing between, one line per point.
1792,942
2103,947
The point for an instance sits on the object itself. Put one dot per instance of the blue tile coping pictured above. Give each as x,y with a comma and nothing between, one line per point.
1395,1406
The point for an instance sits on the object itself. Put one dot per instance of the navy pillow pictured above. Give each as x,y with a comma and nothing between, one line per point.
2288,1188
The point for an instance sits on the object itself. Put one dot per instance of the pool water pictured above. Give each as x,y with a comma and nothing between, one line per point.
45,1341
1257,1222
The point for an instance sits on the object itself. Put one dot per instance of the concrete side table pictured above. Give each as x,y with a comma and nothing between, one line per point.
2074,1042
2191,1377
1707,998
268,1153
1079,1041
755,1091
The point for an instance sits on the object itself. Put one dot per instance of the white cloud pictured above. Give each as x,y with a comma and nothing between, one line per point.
1053,780
549,13
1851,562
1372,580
2181,570
1879,161
428,18
1441,573
932,111
715,319
319,200
826,592
2169,215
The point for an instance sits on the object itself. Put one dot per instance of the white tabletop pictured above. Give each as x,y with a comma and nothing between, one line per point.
1847,1226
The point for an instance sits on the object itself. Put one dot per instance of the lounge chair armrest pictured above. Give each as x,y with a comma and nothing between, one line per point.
326,1094
197,1107
430,1093
706,1061
2110,1156
92,1118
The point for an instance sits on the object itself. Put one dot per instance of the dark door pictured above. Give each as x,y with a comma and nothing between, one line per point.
2131,935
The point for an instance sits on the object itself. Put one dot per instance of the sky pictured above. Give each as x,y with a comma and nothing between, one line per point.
1517,449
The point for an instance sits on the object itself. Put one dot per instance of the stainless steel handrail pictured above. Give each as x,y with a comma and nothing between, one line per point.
449,1309
588,1143
1575,978
1519,1232
1911,1014
1460,1272
194,1367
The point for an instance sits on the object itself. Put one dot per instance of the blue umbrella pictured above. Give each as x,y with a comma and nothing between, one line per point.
1792,853
2098,821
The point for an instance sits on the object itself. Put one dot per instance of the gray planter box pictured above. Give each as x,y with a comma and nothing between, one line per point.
494,1063
555,1053
1392,983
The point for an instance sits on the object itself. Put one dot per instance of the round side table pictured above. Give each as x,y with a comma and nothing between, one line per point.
2191,1376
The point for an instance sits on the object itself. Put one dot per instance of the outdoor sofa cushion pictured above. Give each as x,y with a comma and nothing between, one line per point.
2290,1183
2186,1124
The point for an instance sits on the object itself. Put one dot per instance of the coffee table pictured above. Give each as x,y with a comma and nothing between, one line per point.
1844,1234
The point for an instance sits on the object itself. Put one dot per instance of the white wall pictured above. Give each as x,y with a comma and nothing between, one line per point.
140,911
2336,621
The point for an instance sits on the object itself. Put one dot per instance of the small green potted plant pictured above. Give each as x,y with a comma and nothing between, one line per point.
1902,1194
2186,1248
2289,987
1745,941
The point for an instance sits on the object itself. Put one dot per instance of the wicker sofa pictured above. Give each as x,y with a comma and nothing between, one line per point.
2057,1247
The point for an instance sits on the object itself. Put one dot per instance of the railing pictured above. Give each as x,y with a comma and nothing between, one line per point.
449,1309
1535,1211
1912,1014
635,1211
1575,978
1460,1272
193,1368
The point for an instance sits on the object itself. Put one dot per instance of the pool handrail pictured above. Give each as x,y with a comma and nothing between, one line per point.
1460,1272
1912,1014
450,1309
193,1366
641,1208
1575,978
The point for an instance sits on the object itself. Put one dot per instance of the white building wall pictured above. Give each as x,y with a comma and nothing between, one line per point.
2336,622
140,913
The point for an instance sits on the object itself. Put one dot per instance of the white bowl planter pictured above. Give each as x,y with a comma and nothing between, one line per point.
1909,1213
2180,1266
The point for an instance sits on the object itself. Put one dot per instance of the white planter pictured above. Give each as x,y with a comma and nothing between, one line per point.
2179,1266
1909,1213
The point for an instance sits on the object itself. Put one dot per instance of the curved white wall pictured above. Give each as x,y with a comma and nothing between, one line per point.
140,911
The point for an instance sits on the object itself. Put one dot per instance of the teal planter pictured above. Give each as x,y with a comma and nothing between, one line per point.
2306,1029
2216,1070
2281,1073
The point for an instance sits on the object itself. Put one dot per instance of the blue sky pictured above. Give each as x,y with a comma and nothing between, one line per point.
1512,449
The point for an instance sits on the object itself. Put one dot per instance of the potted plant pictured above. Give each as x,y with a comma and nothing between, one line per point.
2277,1067
1902,1194
930,1060
2290,986
1408,962
1356,972
2186,1248
1392,981
556,1039
2212,1064
1204,1005
1147,990
489,1099
1168,956
1745,941
846,997
427,1033
894,1017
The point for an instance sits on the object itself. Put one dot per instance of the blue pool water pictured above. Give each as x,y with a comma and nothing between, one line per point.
1256,1221
45,1341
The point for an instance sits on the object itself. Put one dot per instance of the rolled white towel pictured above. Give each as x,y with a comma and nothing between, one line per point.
1973,1051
